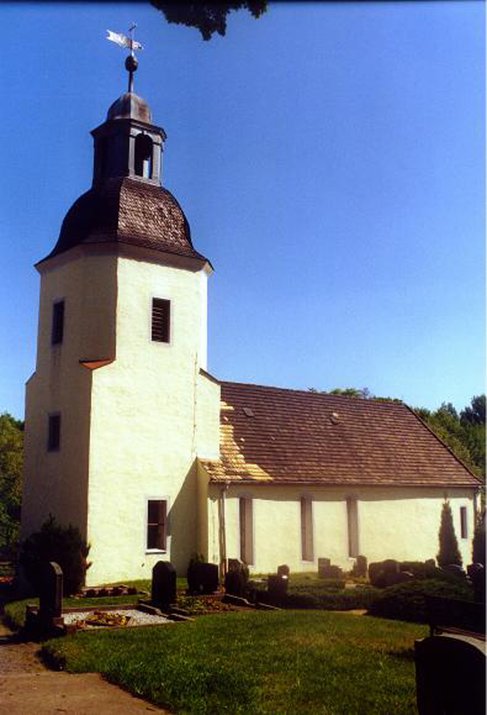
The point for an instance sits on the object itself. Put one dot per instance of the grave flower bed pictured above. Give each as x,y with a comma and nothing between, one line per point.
202,605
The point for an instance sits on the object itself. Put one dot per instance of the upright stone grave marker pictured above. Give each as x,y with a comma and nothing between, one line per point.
51,592
163,591
47,619
450,675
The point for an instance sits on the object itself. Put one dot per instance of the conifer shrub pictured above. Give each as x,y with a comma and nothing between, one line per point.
61,544
478,545
449,554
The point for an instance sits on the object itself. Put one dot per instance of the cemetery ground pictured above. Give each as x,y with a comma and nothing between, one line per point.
250,662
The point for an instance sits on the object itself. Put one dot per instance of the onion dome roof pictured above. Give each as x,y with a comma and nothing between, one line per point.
130,106
127,211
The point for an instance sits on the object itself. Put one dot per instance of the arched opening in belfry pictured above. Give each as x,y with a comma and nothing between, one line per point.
143,156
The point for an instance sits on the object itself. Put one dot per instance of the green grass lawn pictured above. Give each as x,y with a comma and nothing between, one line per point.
257,662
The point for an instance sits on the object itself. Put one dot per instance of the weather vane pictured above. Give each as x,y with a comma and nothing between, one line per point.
131,62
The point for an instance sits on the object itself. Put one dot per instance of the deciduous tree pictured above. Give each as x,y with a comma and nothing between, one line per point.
11,463
208,17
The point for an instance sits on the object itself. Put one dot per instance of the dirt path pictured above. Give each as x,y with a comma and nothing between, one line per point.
28,688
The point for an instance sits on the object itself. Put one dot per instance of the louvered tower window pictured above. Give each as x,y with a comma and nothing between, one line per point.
161,320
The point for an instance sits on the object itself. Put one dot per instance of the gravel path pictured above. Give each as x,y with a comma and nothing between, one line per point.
17,656
137,618
28,688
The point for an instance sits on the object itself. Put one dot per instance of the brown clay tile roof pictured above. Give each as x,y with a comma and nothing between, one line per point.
128,211
273,435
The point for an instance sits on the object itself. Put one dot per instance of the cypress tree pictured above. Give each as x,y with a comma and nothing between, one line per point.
478,545
449,552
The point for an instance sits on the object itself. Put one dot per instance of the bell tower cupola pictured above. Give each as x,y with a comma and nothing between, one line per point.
127,144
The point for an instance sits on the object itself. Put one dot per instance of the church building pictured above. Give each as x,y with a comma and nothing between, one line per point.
129,438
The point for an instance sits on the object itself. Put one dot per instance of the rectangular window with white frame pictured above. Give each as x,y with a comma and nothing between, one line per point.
307,529
246,530
156,539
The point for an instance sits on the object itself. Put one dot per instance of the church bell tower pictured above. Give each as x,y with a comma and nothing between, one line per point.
118,408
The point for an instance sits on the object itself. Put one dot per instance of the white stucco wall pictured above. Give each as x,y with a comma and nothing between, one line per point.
132,429
400,523
144,436
56,482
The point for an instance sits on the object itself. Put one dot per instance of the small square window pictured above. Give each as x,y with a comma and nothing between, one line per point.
57,330
157,524
161,320
54,433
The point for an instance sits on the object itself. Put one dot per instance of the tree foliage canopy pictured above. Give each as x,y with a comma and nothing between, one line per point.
464,433
207,17
11,465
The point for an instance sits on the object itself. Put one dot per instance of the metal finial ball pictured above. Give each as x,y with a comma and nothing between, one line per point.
131,63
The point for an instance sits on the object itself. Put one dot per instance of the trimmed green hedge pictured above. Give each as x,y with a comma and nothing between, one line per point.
329,600
406,601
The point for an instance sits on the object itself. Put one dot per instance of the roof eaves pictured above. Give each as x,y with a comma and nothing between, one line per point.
444,444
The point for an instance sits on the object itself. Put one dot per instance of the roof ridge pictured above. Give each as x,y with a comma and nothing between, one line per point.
369,400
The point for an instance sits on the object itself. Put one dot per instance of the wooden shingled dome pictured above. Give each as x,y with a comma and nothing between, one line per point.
127,211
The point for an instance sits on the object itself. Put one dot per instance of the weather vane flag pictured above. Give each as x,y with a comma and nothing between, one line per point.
122,40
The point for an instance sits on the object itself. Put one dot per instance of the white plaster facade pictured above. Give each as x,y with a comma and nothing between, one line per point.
131,429
400,523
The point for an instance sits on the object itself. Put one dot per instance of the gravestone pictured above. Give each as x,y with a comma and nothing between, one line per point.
202,578
323,567
236,578
163,591
386,573
46,620
360,566
51,591
450,675
327,570
277,586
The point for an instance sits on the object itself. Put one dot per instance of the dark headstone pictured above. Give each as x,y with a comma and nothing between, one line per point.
385,573
450,675
236,578
327,570
447,613
323,567
335,572
163,591
360,567
202,578
50,591
277,586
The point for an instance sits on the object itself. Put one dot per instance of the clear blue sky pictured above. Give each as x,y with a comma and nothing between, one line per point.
329,158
